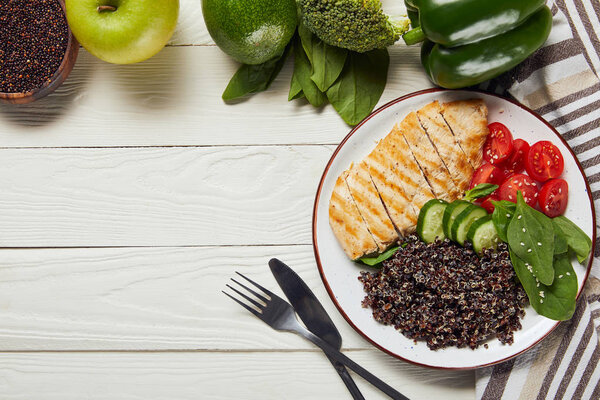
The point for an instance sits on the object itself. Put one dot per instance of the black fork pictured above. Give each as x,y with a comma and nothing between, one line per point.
280,315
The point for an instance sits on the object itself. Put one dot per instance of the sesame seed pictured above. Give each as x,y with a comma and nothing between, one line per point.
522,244
524,230
529,250
568,273
519,217
560,276
539,243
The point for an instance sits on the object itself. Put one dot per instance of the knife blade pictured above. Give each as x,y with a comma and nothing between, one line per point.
311,312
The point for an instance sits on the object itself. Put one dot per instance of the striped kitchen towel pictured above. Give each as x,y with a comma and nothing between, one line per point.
560,82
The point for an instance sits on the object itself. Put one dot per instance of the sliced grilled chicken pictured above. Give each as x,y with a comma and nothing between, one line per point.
369,205
428,159
468,121
446,145
393,161
347,224
391,187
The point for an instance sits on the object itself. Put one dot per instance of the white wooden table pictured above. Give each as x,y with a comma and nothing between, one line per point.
128,199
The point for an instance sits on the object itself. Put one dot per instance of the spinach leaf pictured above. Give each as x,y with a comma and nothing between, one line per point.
254,78
479,191
560,243
577,240
503,213
374,261
360,85
328,63
531,238
302,72
556,301
295,88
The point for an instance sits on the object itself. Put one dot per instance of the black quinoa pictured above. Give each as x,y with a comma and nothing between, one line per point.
33,42
446,294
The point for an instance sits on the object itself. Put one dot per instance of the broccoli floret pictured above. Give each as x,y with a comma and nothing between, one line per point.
358,25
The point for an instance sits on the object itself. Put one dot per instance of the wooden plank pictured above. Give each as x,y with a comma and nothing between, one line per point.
146,299
175,99
159,196
193,376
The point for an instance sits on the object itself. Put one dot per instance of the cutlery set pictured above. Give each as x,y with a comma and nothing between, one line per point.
320,330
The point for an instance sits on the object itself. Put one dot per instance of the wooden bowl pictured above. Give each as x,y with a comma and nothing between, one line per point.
57,79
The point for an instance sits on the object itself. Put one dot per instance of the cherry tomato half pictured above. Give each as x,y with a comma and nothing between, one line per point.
519,182
487,173
544,161
515,163
486,202
553,197
499,144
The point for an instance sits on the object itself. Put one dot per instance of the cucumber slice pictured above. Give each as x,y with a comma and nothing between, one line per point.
483,234
429,224
451,213
463,222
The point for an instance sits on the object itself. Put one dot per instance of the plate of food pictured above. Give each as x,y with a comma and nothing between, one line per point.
452,229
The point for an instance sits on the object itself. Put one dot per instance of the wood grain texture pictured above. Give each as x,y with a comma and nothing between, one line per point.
146,299
213,376
175,99
159,196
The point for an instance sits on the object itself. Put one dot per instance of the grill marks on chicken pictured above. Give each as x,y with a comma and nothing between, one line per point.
367,200
446,145
432,153
347,223
468,121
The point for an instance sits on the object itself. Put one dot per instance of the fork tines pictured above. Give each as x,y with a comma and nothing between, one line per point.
258,305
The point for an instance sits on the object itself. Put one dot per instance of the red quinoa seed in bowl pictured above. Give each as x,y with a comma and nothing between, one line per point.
446,294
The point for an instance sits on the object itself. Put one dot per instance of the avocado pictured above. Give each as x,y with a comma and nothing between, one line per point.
251,31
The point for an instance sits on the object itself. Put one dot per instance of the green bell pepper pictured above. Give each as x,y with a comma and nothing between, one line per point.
457,22
471,64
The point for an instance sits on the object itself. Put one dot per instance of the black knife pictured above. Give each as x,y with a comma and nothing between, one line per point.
313,315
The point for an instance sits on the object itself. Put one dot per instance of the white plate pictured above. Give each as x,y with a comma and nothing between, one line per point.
340,275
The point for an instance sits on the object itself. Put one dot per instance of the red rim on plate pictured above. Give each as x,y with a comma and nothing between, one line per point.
318,195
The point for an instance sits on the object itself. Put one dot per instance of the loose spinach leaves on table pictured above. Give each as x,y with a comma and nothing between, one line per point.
556,301
254,78
327,61
531,237
358,89
352,82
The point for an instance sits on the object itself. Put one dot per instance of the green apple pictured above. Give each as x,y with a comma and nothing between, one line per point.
123,31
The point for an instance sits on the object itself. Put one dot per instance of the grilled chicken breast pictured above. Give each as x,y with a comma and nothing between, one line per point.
446,145
369,205
435,171
468,121
347,224
432,153
395,188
